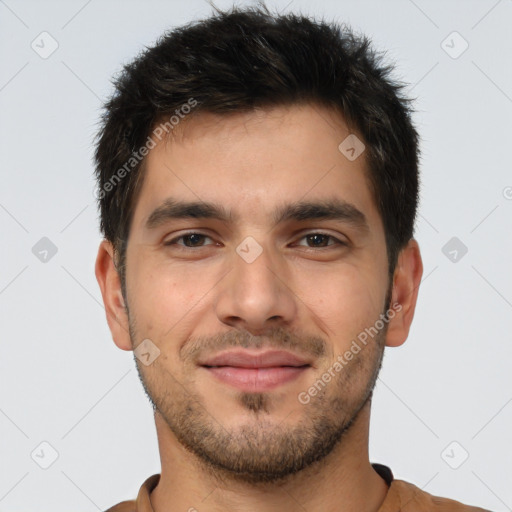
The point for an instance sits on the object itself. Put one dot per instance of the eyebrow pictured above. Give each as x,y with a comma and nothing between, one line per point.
301,211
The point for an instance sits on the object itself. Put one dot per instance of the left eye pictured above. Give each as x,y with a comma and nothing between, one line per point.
319,239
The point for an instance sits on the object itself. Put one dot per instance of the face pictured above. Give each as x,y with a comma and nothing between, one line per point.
256,259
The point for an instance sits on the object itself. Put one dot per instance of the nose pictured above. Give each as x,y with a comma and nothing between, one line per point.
257,295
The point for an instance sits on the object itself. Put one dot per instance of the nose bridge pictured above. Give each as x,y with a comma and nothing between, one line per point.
255,291
253,266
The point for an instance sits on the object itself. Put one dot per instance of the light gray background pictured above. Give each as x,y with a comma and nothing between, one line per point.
63,381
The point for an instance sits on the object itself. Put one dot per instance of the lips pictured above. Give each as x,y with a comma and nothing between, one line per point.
255,371
246,359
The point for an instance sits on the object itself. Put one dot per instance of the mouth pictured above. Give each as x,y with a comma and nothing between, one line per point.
256,371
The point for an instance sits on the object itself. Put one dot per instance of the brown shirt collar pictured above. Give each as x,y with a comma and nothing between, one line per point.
401,497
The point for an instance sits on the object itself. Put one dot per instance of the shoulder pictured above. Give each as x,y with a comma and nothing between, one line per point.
124,506
142,502
411,498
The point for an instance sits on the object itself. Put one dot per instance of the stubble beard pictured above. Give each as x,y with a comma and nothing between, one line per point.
262,450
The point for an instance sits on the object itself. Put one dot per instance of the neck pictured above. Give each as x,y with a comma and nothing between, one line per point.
344,481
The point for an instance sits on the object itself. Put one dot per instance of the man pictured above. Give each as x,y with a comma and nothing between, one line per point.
258,186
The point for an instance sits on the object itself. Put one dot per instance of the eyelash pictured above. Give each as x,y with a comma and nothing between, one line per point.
174,240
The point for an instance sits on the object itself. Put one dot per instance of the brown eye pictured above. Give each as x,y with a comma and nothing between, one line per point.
320,240
190,240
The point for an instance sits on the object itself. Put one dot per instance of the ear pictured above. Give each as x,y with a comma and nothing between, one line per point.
110,285
406,282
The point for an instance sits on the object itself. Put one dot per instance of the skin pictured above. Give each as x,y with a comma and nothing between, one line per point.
221,448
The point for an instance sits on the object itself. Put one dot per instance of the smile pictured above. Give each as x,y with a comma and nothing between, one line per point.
256,371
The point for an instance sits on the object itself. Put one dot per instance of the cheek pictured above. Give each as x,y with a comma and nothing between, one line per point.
168,302
158,298
347,299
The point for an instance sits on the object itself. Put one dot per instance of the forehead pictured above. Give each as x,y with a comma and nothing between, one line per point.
250,162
